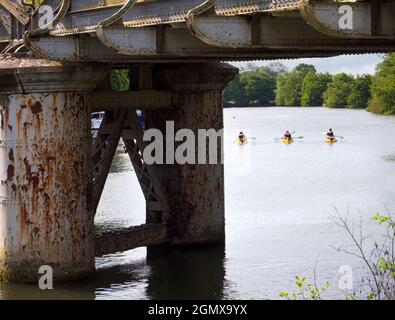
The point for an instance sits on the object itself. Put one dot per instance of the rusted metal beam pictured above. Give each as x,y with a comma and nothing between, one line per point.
130,238
154,194
239,7
128,100
365,19
269,32
5,23
376,17
16,11
181,46
104,148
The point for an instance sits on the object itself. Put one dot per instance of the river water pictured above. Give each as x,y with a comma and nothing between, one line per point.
280,206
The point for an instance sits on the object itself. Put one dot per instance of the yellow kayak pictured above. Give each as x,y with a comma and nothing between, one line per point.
287,141
331,140
241,142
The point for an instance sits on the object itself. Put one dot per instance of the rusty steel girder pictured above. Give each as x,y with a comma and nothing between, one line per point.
119,240
166,30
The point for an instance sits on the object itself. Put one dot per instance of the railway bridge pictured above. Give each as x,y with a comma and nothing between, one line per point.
55,64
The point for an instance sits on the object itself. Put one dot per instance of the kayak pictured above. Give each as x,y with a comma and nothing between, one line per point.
287,141
331,140
242,142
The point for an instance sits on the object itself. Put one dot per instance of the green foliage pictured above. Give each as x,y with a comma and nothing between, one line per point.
384,265
303,86
383,87
305,290
360,92
260,86
338,91
304,69
36,2
254,86
313,87
380,261
235,93
384,220
281,89
120,80
289,85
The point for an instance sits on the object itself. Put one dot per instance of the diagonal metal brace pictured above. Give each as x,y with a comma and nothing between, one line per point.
103,152
157,204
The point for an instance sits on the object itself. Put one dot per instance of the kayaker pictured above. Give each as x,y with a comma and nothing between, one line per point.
242,137
330,134
288,136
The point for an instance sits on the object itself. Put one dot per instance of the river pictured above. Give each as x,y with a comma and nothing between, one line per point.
280,206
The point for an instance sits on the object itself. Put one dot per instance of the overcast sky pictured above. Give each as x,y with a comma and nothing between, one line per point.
354,64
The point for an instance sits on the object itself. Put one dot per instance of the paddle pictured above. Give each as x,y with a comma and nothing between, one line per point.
293,138
340,137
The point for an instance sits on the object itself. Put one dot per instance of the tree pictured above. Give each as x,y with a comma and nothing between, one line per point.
260,86
360,92
305,69
235,93
281,84
289,85
288,89
313,88
383,87
254,86
338,91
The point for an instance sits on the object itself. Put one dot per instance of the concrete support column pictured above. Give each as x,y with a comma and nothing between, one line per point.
46,214
195,191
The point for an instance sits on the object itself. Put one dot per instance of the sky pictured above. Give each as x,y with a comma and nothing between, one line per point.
353,64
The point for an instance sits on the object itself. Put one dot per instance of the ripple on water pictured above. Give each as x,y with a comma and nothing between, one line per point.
389,158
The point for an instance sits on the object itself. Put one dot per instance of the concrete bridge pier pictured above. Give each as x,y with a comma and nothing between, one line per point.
46,215
195,192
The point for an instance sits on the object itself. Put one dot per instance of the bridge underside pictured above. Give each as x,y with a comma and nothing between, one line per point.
53,76
119,31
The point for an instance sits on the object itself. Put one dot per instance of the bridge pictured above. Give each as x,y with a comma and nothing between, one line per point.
55,63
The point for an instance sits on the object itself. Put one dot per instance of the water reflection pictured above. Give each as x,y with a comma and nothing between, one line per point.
163,274
124,277
186,274
389,158
121,162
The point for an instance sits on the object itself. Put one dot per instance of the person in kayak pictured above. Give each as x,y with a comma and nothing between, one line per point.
242,137
330,135
288,136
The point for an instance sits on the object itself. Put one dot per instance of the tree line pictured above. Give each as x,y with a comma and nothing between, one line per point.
303,86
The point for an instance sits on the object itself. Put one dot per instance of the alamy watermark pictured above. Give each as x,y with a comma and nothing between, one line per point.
198,147
45,282
205,147
345,278
46,17
346,20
